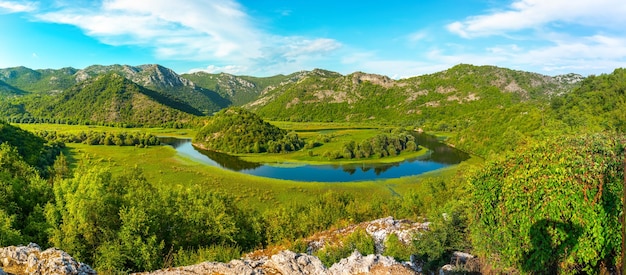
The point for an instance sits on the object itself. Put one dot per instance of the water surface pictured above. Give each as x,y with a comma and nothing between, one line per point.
438,156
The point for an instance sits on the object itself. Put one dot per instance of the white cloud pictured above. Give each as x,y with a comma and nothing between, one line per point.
216,31
417,36
528,14
17,6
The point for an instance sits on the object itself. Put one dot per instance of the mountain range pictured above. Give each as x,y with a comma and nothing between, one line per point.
317,95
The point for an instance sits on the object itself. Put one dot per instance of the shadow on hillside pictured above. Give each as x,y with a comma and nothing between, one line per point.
552,241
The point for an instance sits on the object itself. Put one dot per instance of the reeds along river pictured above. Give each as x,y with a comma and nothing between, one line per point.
439,156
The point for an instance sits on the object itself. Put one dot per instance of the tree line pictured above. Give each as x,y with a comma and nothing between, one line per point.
380,146
140,140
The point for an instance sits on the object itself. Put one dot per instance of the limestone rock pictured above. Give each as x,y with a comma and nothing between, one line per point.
31,260
370,264
287,262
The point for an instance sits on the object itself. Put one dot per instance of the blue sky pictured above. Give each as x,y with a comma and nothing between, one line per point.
261,38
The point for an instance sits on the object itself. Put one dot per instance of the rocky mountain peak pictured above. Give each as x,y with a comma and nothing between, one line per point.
382,80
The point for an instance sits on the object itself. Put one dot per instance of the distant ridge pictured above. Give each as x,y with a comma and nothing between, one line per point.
111,98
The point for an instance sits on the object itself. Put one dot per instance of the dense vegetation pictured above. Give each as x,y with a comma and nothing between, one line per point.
380,146
598,104
444,100
552,202
553,206
111,99
39,81
126,223
236,130
103,138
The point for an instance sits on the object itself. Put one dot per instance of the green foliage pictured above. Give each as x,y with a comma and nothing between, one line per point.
236,130
380,146
446,234
140,140
397,249
358,240
22,192
598,104
108,99
8,234
125,223
38,81
214,253
553,206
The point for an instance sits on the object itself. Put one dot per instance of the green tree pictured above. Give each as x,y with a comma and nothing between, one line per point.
551,207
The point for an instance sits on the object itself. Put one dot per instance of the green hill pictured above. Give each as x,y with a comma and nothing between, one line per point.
445,96
239,90
112,99
236,130
598,104
7,90
166,82
47,80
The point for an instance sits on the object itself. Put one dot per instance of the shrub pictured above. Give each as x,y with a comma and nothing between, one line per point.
552,207
359,240
397,249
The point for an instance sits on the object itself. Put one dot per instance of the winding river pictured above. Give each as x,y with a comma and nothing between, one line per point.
438,156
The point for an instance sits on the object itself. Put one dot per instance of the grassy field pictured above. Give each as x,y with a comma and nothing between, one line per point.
166,169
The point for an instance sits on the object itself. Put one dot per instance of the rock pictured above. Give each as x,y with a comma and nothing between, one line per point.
370,264
459,257
287,262
380,229
31,260
446,269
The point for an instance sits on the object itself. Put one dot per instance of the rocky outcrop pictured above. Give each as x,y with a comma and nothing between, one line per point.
31,260
378,229
287,262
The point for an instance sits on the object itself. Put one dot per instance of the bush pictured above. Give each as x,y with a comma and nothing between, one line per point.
359,240
397,249
552,207
214,253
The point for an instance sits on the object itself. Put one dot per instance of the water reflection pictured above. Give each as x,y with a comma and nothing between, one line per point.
439,156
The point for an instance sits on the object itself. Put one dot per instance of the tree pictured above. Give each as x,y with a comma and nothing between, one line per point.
552,207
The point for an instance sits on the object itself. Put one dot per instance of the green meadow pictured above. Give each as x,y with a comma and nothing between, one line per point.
163,166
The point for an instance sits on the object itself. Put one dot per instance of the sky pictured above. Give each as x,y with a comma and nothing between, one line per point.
397,38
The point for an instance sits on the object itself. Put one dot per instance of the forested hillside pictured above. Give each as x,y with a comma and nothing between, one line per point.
236,130
111,99
36,81
164,81
7,90
599,104
440,101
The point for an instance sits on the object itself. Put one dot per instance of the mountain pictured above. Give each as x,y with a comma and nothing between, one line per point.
327,96
164,81
7,90
154,77
239,90
113,99
597,105
46,80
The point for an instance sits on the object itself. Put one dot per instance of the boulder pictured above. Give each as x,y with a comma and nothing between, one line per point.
31,260
370,264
